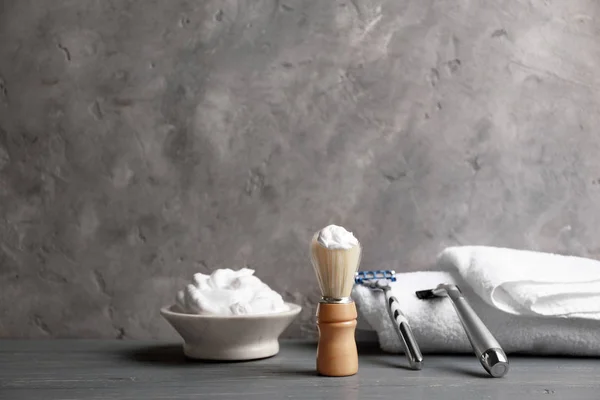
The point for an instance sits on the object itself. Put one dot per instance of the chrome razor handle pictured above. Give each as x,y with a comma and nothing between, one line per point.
411,348
486,347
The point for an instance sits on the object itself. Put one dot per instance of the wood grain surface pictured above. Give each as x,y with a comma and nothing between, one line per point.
68,370
337,350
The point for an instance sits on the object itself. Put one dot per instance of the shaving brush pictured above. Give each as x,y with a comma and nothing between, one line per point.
335,256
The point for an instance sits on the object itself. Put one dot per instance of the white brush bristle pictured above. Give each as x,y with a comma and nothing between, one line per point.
335,268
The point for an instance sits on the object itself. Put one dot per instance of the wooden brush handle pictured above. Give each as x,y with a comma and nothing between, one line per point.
336,352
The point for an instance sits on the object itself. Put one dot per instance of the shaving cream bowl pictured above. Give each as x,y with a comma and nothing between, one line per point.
230,337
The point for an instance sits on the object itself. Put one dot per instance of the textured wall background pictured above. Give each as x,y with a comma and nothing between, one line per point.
142,141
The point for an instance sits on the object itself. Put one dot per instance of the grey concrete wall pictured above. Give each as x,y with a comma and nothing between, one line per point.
142,141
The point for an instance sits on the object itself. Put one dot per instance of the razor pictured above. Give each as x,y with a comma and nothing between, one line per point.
380,280
484,344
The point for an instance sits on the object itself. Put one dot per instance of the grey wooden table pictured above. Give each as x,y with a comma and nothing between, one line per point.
61,369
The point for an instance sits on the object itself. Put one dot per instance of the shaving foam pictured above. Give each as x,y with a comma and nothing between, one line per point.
229,292
336,237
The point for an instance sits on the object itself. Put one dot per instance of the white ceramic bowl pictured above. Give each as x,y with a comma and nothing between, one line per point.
230,338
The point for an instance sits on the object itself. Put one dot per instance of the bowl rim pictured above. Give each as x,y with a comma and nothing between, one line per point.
294,309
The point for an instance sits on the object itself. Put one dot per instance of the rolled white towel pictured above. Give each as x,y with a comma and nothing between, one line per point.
538,312
524,282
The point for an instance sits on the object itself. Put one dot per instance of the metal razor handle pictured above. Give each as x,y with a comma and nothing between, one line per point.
411,348
486,347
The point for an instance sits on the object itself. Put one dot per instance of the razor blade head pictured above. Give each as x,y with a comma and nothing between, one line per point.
362,276
441,290
425,294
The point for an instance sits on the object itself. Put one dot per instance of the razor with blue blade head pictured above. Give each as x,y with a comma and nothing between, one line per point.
380,279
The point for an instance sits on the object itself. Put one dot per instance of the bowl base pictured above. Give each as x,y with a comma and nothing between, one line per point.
251,351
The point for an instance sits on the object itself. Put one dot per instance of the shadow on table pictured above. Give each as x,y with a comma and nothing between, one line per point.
293,372
172,355
386,362
460,370
160,354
